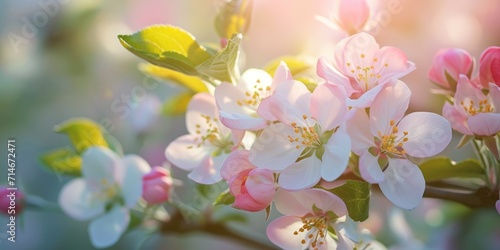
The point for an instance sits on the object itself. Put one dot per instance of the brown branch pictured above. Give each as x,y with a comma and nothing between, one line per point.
482,197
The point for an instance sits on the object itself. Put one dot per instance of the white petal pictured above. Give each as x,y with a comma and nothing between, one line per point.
184,152
78,201
428,133
369,168
254,77
358,128
273,150
485,124
346,230
326,71
201,106
209,172
290,101
336,155
300,203
366,99
301,175
390,104
404,183
281,232
135,169
99,164
227,95
242,121
107,229
328,106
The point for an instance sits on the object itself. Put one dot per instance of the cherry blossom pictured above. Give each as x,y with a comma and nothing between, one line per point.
448,64
253,188
208,143
473,112
308,217
108,188
310,143
366,66
386,138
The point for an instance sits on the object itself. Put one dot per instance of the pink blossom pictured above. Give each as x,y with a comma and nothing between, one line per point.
448,64
208,143
386,138
11,201
489,66
352,15
310,143
473,112
156,185
366,66
308,217
253,188
240,104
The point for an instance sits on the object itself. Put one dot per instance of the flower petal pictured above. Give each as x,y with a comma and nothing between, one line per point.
98,164
281,232
404,183
485,124
281,74
273,150
260,185
242,121
428,134
301,175
300,203
185,153
457,119
332,76
390,104
209,171
366,100
202,114
77,200
236,162
290,101
107,229
135,168
226,97
396,61
358,128
336,155
369,168
328,106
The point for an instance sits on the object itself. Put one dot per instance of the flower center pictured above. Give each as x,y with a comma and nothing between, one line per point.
253,98
316,230
211,134
366,73
484,106
391,144
305,136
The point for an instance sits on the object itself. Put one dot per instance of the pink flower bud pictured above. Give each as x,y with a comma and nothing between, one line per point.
448,64
489,66
352,15
156,185
253,189
11,201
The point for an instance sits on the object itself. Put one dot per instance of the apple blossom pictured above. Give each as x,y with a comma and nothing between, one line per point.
448,64
310,143
352,15
367,67
108,188
489,66
239,104
473,112
309,215
385,139
156,185
208,143
253,188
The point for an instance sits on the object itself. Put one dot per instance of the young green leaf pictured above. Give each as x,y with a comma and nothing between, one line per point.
441,168
356,195
83,133
63,161
233,18
225,198
193,83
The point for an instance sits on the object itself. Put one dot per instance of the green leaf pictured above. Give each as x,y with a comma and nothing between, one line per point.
83,133
356,195
167,46
225,198
296,65
193,83
441,168
63,161
233,18
222,66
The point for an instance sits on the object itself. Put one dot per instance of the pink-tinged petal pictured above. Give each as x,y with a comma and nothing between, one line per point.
366,100
428,134
489,66
301,175
201,106
328,106
290,101
209,171
396,61
331,75
264,109
369,168
135,169
352,15
390,104
79,202
336,155
242,121
281,74
281,232
457,119
300,203
260,185
349,50
495,96
227,96
185,153
252,79
358,128
404,183
100,166
485,124
236,162
248,203
107,229
273,150
467,91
